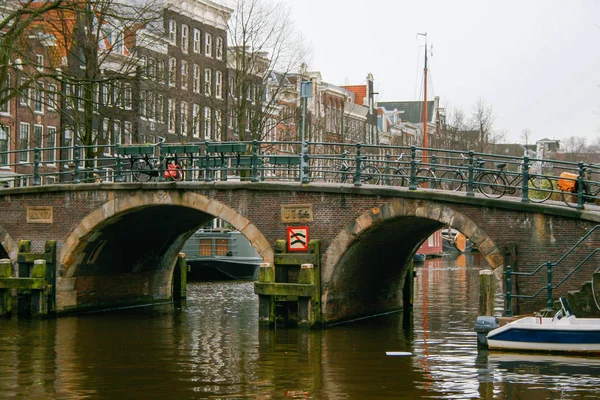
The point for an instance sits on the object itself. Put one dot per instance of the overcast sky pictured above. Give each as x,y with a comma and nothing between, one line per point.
537,63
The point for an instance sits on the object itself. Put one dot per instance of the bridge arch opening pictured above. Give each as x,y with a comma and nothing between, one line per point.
124,252
366,267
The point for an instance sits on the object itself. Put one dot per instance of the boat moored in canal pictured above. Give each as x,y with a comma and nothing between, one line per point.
563,333
221,254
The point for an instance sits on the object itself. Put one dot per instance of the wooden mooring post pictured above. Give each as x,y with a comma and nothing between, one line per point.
289,292
34,282
180,280
486,292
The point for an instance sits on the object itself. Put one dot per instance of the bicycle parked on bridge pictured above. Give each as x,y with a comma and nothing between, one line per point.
146,167
456,179
399,176
569,188
345,173
498,183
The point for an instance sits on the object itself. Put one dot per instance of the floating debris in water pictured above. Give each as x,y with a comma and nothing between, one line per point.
398,353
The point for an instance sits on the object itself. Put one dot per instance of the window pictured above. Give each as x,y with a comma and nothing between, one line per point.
172,71
151,70
231,118
105,94
218,84
219,48
50,144
196,79
171,116
5,106
127,133
39,62
68,143
207,82
218,125
207,122
105,131
197,41
116,94
196,121
38,133
208,45
143,104
185,38
172,31
25,94
151,106
160,108
4,141
232,90
24,142
127,96
116,139
38,99
160,71
184,118
184,75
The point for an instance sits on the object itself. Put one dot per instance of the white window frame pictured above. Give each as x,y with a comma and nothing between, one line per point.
25,97
185,77
208,82
196,79
197,47
39,62
172,31
38,99
4,137
218,84
207,123
160,108
196,121
183,120
50,145
127,96
185,38
208,45
171,116
172,71
127,132
219,49
24,129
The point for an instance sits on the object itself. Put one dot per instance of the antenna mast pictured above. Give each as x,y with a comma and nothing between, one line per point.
424,100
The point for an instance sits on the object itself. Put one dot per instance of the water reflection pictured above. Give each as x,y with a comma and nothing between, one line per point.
213,348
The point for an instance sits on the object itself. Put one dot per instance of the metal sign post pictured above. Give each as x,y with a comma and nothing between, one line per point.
306,91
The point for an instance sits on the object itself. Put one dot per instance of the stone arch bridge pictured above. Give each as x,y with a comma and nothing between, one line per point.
117,242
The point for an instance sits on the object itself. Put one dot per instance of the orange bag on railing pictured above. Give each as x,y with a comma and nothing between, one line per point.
567,182
173,172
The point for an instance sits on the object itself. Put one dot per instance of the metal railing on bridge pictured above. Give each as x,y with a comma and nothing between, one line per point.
491,175
548,268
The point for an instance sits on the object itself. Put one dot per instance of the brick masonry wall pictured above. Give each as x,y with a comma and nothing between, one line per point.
539,233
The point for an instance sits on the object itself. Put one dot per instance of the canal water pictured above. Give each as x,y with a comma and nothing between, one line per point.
213,348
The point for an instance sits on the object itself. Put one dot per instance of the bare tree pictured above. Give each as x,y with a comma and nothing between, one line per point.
264,50
482,120
526,135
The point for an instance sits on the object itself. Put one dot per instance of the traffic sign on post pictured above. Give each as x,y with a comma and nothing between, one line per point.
297,238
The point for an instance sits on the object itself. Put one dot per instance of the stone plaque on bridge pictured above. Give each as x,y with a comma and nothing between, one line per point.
296,213
40,215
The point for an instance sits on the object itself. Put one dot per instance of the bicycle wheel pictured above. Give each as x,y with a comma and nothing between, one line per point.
570,199
451,180
540,189
491,185
142,169
370,174
395,177
425,178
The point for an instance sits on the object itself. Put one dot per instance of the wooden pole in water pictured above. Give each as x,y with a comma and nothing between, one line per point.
486,292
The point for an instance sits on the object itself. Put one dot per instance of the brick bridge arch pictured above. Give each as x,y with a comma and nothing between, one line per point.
80,283
381,288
